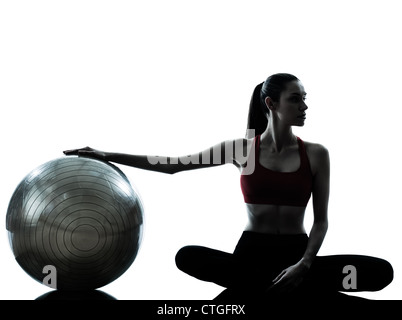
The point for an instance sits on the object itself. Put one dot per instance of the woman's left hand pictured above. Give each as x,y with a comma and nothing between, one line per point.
290,278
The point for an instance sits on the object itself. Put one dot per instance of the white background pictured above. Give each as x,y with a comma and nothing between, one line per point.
175,77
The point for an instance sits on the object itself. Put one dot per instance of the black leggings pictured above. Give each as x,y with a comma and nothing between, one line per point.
258,258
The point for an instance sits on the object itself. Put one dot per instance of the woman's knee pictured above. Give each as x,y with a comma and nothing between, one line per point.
185,257
386,272
374,274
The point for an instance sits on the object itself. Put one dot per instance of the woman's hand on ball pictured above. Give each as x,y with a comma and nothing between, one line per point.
86,152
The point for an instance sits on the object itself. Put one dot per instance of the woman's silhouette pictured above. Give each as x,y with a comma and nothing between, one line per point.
274,256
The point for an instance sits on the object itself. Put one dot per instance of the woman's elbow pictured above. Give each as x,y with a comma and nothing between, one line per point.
322,224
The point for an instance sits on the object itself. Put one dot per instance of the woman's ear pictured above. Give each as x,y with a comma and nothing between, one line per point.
269,103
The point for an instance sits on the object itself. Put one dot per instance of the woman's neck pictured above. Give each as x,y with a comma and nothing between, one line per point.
277,138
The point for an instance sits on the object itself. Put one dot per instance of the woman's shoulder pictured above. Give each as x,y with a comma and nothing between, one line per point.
241,148
317,154
315,148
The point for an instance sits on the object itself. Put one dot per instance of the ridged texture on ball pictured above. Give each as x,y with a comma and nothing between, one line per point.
80,215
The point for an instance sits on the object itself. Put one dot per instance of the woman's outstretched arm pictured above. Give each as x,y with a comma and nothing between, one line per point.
231,151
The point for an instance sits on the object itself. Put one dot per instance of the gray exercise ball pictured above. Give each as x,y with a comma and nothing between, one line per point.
78,217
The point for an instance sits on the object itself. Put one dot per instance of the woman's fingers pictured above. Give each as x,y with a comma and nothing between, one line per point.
279,276
73,152
76,152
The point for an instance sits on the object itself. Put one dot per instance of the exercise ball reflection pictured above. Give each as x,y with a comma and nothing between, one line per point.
79,215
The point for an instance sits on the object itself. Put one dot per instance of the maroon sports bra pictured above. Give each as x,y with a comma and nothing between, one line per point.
265,186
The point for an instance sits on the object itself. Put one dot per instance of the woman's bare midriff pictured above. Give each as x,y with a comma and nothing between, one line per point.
274,219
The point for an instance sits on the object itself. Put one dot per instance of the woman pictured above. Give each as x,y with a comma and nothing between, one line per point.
274,255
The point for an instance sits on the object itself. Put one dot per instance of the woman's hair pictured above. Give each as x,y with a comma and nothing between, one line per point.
259,112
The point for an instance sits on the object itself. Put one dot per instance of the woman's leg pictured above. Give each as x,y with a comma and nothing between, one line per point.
349,273
224,269
208,265
242,281
245,274
257,259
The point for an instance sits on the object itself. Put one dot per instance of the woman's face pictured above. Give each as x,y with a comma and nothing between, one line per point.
291,107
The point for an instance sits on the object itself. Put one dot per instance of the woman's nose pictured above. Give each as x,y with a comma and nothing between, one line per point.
303,106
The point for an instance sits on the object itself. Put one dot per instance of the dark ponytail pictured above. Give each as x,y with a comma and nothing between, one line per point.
258,112
257,117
